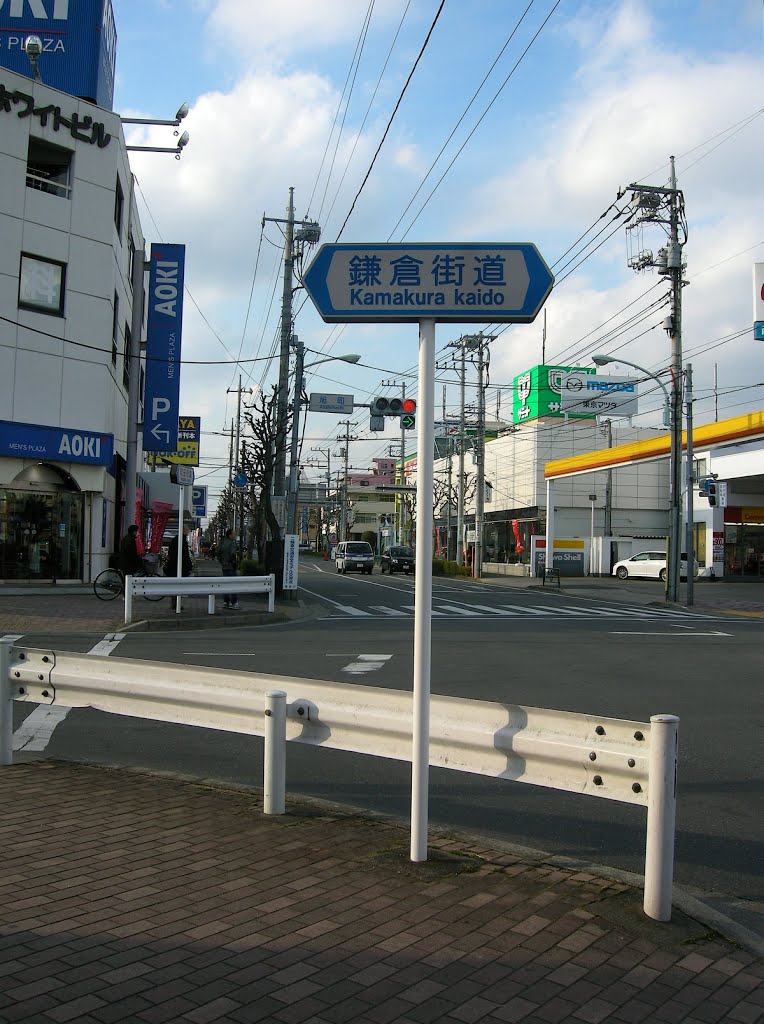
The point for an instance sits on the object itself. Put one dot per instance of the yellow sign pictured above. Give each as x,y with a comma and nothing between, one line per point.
187,452
751,514
186,455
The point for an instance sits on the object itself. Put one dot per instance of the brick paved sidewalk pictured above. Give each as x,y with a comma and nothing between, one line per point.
131,897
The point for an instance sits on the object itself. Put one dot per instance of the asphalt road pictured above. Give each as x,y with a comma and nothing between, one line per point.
531,647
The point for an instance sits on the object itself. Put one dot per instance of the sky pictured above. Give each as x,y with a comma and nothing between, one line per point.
446,121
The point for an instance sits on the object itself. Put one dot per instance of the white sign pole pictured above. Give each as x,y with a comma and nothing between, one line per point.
179,561
420,751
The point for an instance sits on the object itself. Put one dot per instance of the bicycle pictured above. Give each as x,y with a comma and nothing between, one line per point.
110,583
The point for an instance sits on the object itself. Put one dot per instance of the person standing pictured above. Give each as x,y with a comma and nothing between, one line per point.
229,560
129,560
172,557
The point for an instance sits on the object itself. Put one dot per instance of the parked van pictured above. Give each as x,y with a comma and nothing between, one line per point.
354,554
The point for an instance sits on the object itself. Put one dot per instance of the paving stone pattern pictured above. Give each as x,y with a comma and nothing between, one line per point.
131,897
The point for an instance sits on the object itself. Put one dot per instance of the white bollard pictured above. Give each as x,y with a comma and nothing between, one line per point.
274,768
661,816
272,593
128,600
6,704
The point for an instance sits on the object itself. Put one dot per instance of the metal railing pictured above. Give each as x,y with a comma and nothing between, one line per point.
212,586
631,762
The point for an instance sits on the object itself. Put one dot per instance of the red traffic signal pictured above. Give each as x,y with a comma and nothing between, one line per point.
409,405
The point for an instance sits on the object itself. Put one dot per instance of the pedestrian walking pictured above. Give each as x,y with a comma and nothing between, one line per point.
129,559
172,557
229,560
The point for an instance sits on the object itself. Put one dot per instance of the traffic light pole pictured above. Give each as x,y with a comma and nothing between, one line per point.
420,752
690,525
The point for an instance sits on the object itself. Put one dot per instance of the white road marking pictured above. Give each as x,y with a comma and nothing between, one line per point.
37,728
455,610
411,608
388,611
366,663
690,636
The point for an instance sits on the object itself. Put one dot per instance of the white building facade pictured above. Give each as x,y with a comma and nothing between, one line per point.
69,233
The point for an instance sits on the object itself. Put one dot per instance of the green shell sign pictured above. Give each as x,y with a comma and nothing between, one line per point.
536,393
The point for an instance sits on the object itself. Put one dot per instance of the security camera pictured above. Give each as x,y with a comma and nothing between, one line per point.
182,112
33,46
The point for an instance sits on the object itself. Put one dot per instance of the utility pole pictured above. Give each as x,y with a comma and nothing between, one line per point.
460,344
665,206
346,452
237,448
327,453
477,561
309,233
608,526
689,483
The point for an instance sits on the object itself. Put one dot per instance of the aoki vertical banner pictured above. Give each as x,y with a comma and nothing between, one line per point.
163,336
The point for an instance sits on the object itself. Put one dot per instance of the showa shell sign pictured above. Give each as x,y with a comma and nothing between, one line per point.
758,301
462,282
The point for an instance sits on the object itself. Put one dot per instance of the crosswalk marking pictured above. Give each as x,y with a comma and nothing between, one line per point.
456,610
516,611
366,663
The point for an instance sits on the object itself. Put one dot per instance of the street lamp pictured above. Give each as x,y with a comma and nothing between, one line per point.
299,368
675,423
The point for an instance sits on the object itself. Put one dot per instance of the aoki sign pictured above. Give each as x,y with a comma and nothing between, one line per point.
55,444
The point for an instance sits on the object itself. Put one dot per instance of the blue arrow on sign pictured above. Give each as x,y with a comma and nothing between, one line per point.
462,282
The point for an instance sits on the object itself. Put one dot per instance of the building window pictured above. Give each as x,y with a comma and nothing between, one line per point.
130,259
119,206
49,168
126,362
115,330
41,284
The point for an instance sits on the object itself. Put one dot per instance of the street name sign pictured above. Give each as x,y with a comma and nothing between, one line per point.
330,403
460,282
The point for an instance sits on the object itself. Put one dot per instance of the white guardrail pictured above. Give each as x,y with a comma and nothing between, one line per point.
631,762
170,586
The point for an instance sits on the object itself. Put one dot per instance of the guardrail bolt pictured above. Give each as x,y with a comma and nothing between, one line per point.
636,788
301,711
597,780
631,762
45,658
592,756
21,690
41,678
17,674
45,693
600,730
638,735
22,656
268,713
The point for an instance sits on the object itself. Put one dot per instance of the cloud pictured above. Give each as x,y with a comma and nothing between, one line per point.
277,31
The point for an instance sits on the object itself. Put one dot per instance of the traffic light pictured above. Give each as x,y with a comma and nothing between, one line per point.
387,407
384,406
711,493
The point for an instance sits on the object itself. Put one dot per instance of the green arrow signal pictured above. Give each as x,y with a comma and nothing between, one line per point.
408,422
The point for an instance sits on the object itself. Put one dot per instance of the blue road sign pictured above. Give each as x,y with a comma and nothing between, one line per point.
163,336
240,481
199,500
758,330
461,282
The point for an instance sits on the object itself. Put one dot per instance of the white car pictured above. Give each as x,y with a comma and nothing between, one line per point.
649,564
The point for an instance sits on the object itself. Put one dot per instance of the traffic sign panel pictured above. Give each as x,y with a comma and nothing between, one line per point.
461,282
408,421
